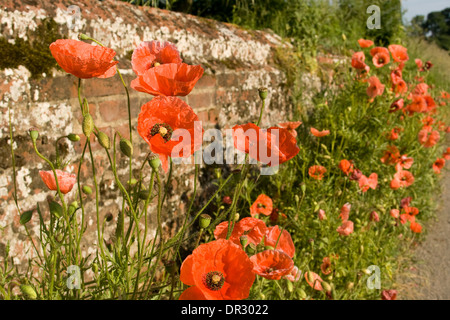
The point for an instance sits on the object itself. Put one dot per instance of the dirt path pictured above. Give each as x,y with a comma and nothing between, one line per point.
429,277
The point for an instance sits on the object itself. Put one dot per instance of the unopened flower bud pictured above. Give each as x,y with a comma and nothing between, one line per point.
236,217
326,286
227,200
350,285
88,124
251,248
28,291
87,190
126,147
34,134
73,137
205,220
103,139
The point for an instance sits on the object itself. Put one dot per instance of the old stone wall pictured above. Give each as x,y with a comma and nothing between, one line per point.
38,94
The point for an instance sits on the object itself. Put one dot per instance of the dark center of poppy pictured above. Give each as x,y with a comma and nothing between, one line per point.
260,205
163,129
269,270
213,280
381,60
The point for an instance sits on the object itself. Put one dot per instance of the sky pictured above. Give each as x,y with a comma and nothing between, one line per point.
423,7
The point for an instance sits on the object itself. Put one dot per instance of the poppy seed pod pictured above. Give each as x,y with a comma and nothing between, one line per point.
126,147
244,240
154,162
73,137
103,139
205,220
263,93
88,125
28,291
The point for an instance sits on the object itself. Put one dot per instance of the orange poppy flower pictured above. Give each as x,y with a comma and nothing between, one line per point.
418,104
262,205
317,172
280,240
396,105
358,61
254,229
170,79
389,295
65,180
402,179
84,60
322,215
158,121
428,65
355,175
395,213
346,166
374,216
446,154
291,126
368,182
405,202
407,217
326,266
413,211
428,138
294,275
363,43
421,89
391,155
419,64
396,76
217,270
393,135
318,133
398,52
346,228
264,145
438,165
272,264
400,87
380,56
345,211
314,280
150,54
376,88
427,121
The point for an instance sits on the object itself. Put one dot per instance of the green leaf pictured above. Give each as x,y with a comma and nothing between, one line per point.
26,216
56,209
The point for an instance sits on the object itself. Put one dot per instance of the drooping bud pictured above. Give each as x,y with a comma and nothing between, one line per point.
205,220
103,139
73,137
88,125
126,147
28,291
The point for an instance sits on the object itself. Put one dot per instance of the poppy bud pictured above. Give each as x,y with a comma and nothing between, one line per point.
269,248
302,293
143,194
326,286
244,240
126,147
28,291
251,248
72,207
103,139
303,187
88,124
154,162
227,200
263,93
73,137
55,209
87,190
236,217
205,220
132,182
311,277
350,285
170,266
34,134
290,286
82,36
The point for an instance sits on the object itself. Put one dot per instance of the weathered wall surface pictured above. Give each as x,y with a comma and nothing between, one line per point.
236,64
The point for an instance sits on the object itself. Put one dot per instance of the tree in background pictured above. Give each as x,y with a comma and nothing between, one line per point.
437,28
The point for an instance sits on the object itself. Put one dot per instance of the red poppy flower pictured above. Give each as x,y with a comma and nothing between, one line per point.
84,60
427,121
157,124
318,133
65,180
346,166
391,155
419,64
428,65
363,43
380,56
294,275
280,240
368,182
217,270
170,79
421,89
326,266
415,227
317,172
272,264
356,175
290,126
389,295
262,205
404,162
446,154
405,202
272,146
374,216
254,229
314,280
396,76
322,215
345,211
398,52
396,105
393,135
428,138
358,61
153,53
402,179
438,165
407,217
346,228
395,213
376,88
400,87
276,214
413,211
